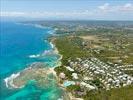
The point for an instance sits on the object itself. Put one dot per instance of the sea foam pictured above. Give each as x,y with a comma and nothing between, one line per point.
34,56
52,45
9,80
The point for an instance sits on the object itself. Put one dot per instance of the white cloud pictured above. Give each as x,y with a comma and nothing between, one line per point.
46,14
117,8
103,10
126,7
12,14
104,7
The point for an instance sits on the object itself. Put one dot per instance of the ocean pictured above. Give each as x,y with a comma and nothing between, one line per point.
20,46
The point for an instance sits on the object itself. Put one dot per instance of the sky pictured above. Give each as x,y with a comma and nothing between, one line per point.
67,9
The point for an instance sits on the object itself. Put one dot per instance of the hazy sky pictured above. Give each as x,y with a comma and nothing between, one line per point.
68,9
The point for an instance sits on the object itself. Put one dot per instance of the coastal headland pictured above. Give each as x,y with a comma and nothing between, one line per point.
96,60
94,63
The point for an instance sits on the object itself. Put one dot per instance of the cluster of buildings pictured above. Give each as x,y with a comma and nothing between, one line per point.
126,67
91,68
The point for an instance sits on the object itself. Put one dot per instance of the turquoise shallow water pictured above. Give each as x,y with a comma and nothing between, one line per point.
18,42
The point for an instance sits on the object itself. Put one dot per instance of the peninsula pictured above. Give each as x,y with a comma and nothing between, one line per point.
97,61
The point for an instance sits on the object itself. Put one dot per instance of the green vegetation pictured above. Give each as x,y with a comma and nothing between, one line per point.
73,88
70,48
124,93
61,69
97,83
112,45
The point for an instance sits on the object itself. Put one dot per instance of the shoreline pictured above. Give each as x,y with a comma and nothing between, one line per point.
9,80
69,94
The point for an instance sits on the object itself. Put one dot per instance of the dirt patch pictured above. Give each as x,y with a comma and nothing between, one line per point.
90,37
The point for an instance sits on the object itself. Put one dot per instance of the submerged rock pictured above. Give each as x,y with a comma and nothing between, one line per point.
37,72
36,79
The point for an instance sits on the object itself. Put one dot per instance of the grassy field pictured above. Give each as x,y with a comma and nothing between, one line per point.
125,93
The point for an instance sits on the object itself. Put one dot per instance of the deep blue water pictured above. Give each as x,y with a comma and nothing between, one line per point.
17,42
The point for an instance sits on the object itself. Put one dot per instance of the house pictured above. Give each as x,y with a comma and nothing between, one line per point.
62,75
74,75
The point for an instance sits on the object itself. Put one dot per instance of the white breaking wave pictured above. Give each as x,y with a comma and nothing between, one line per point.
39,26
51,32
34,56
9,80
52,45
47,52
